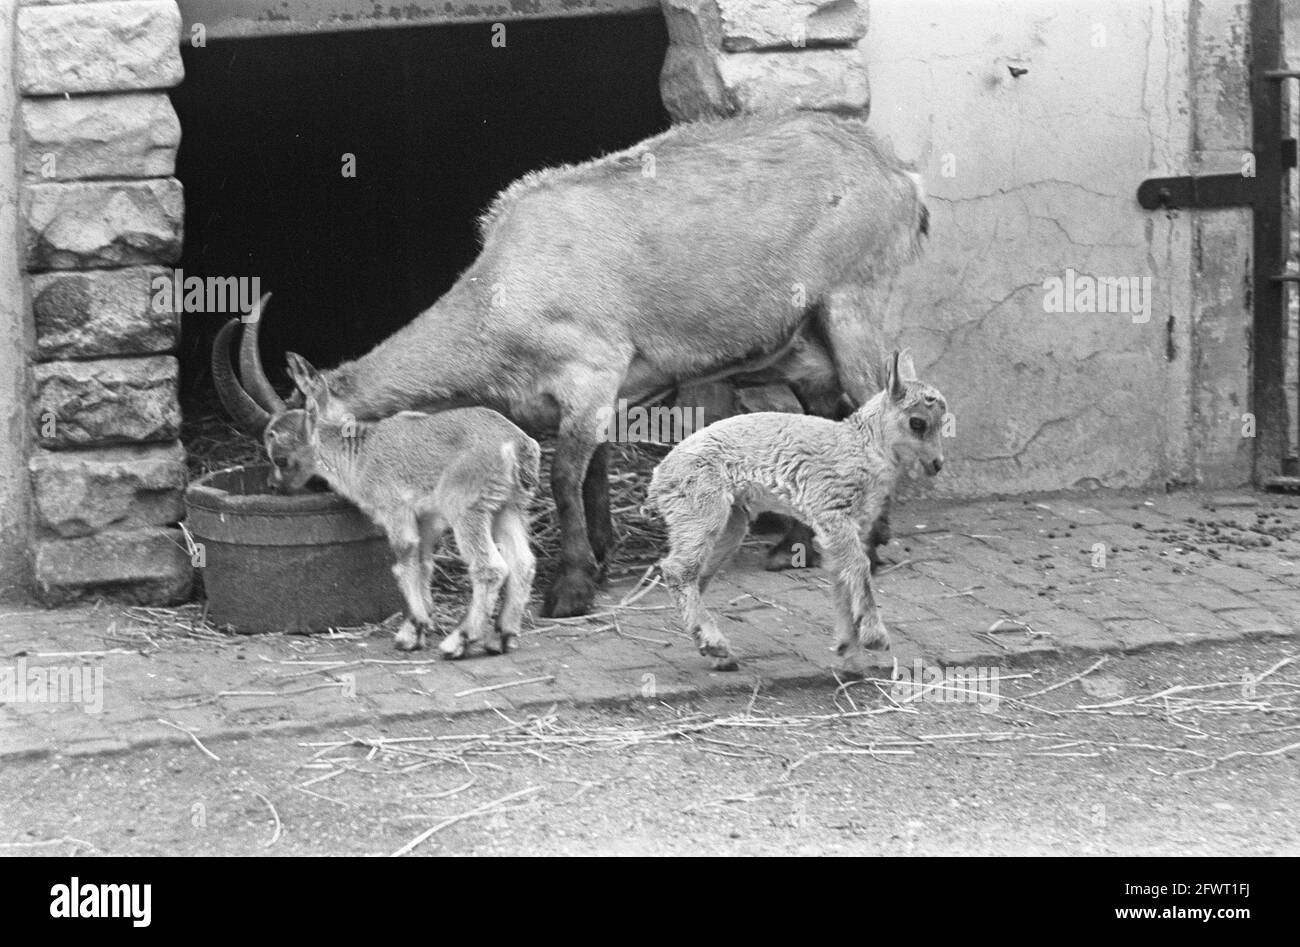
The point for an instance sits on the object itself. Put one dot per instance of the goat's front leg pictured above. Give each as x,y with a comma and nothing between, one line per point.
573,590
880,535
404,539
859,621
796,549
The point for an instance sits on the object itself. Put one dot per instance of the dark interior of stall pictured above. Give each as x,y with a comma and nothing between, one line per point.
437,119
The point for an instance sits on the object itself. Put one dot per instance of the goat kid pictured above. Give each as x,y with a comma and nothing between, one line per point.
834,475
416,475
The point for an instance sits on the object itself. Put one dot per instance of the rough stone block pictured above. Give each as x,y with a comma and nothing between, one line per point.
99,47
85,225
141,565
78,493
741,25
121,136
110,401
699,83
100,312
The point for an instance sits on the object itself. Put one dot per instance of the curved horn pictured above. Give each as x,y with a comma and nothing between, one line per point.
250,362
249,416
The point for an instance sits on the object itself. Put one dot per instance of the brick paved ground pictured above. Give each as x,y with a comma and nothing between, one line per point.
1178,569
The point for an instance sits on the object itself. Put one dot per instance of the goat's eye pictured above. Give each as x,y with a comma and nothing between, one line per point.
281,462
917,425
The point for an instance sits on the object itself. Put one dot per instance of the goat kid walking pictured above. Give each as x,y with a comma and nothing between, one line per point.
834,475
416,475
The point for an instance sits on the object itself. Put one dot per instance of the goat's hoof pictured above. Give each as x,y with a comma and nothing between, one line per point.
877,640
571,594
410,637
503,643
452,647
714,649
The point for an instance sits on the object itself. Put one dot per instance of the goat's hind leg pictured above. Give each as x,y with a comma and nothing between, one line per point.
694,531
725,545
487,573
510,530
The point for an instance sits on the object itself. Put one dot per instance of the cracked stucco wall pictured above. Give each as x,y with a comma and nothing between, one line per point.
1034,174
14,335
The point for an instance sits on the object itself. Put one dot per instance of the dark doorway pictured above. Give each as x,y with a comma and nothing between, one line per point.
438,120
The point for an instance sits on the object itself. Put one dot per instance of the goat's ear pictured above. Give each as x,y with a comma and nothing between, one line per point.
308,380
906,370
894,385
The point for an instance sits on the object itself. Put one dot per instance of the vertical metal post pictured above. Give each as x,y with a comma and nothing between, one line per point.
1268,299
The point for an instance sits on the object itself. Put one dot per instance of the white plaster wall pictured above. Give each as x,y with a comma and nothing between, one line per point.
14,334
1027,177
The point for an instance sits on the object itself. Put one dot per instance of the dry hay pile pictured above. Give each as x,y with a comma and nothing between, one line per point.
213,443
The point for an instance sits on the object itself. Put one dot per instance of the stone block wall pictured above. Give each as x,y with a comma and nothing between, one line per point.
101,217
731,56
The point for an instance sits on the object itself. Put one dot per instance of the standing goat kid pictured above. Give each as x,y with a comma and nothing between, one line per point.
834,475
416,475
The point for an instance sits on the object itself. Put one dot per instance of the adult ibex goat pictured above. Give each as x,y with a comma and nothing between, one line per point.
714,249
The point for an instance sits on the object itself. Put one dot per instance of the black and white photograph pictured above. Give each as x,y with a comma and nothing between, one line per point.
663,428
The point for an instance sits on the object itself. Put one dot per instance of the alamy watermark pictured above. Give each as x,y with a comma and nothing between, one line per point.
655,424
131,901
176,292
947,685
1079,292
52,684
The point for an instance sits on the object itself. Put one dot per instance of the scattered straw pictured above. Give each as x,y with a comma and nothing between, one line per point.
276,815
485,809
190,733
1069,680
543,679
